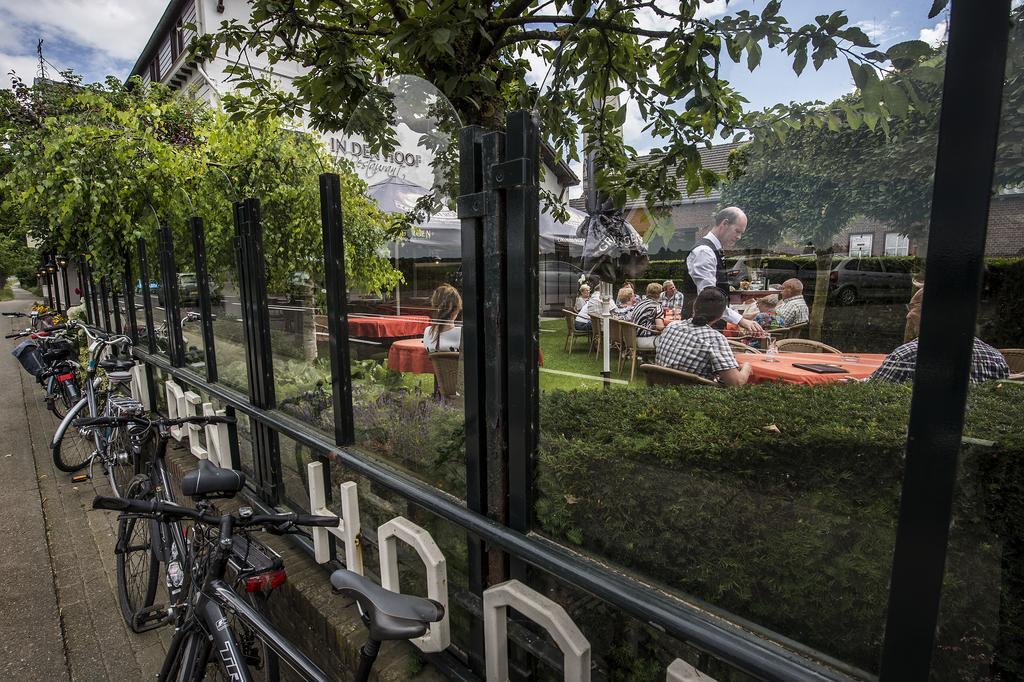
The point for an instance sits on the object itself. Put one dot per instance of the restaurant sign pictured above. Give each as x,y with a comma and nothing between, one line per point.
409,160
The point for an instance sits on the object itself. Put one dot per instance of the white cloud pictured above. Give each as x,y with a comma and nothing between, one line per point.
23,65
934,36
881,31
710,9
116,28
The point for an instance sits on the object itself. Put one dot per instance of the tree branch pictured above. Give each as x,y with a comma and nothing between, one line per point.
586,22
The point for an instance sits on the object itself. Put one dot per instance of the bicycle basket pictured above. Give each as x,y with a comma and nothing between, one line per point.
58,349
31,359
122,406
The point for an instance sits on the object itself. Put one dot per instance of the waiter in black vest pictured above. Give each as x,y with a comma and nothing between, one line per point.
706,267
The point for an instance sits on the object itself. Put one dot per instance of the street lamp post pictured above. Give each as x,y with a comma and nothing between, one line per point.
51,270
62,263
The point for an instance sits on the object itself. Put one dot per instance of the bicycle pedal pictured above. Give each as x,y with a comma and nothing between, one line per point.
150,618
80,478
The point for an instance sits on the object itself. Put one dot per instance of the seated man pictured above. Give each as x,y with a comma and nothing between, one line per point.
649,316
987,363
693,346
793,308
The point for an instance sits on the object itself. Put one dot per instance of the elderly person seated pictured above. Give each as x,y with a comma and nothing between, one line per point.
649,316
693,346
624,302
592,308
583,297
443,334
670,297
793,308
987,363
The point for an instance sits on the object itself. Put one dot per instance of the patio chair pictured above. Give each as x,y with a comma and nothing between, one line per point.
446,373
793,332
740,347
657,375
572,332
805,346
629,350
1014,358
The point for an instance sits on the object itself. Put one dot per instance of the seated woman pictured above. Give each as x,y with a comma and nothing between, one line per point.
444,334
766,316
583,322
623,303
649,316
693,346
583,297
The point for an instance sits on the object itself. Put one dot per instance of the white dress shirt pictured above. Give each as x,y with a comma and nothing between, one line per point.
703,268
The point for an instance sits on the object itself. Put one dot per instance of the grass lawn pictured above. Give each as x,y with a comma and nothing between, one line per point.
559,366
5,293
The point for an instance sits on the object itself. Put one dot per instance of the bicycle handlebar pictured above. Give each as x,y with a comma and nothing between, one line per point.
159,507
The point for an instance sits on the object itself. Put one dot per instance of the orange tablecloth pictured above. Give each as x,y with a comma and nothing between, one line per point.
387,326
409,355
783,371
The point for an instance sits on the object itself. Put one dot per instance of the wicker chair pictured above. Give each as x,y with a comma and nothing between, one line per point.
629,351
740,347
446,373
1014,358
657,375
793,332
805,346
572,332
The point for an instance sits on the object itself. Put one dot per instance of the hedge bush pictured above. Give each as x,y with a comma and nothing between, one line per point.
791,528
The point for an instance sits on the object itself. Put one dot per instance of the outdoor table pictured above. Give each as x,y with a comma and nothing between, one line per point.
740,295
387,326
409,355
783,371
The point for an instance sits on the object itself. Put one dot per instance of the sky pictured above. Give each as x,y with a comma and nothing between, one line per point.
100,37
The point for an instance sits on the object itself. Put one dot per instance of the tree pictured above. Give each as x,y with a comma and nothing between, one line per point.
663,56
90,169
814,179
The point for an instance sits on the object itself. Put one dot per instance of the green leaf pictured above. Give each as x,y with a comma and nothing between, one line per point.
753,55
441,36
908,52
859,77
895,99
870,119
800,60
853,119
833,123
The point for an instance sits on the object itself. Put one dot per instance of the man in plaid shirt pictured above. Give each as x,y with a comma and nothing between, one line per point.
693,346
987,363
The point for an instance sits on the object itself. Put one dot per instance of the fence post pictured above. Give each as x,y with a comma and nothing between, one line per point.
147,295
105,303
172,315
337,306
205,302
260,365
129,298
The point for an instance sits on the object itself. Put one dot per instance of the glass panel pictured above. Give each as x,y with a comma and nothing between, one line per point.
225,300
762,484
188,301
981,621
405,312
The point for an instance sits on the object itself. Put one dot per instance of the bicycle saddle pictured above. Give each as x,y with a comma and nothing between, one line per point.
209,480
389,615
116,364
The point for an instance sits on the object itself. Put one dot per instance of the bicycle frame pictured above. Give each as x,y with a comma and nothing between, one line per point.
217,599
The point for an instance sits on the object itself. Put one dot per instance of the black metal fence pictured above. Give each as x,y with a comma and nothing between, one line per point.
499,211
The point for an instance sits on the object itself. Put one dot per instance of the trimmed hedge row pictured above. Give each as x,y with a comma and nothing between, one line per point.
779,504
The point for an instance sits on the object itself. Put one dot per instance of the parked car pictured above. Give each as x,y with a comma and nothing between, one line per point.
775,269
857,279
558,281
188,290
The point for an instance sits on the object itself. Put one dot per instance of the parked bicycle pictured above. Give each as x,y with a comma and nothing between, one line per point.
50,357
205,635
107,394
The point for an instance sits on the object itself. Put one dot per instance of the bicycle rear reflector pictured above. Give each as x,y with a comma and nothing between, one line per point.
265,582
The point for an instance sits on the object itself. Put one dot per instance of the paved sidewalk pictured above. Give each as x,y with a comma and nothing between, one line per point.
60,618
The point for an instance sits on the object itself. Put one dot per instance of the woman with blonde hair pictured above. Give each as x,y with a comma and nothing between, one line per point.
444,334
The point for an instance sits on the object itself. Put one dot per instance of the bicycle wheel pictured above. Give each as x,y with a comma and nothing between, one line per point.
137,566
72,450
63,398
122,464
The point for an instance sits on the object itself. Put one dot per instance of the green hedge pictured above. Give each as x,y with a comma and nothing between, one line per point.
792,529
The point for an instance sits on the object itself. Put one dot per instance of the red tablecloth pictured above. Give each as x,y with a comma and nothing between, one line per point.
387,326
783,371
409,355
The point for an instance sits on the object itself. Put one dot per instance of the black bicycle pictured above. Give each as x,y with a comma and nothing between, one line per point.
205,635
50,357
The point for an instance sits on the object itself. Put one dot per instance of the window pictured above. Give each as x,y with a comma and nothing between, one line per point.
154,69
177,40
860,244
896,244
868,265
